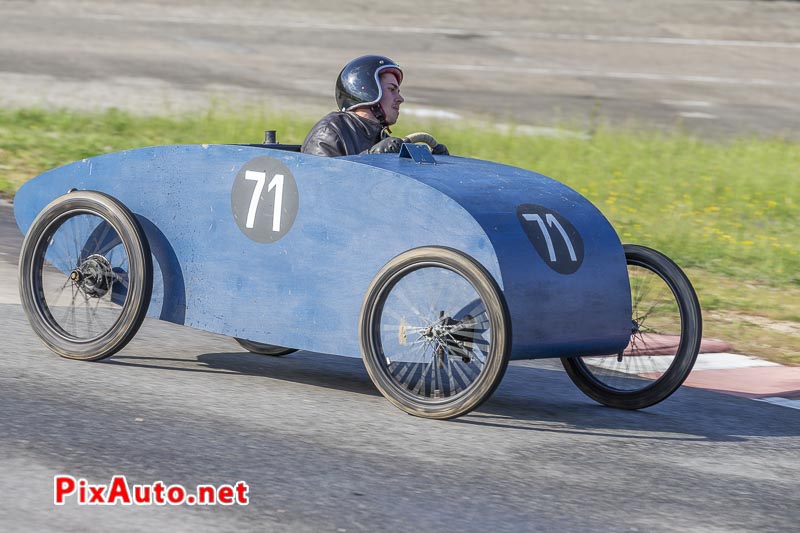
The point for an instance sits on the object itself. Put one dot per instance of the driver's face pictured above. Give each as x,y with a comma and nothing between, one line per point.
391,99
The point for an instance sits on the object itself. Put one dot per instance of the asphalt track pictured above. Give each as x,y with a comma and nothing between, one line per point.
712,67
320,449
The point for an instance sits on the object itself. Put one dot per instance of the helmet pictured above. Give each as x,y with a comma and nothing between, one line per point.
358,84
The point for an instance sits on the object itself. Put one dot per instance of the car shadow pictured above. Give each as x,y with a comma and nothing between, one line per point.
307,368
533,396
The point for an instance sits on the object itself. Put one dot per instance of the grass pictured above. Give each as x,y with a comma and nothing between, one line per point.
726,211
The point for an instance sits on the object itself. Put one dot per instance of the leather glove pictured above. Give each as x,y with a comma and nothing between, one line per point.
389,145
440,150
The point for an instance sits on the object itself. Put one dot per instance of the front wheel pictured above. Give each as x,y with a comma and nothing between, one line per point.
666,330
85,275
435,332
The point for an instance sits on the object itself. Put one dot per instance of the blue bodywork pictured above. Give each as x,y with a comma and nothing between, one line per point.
558,261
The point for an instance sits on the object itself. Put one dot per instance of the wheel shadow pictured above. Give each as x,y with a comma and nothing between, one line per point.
533,396
541,392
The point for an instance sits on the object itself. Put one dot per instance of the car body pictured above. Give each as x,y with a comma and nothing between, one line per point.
353,215
264,243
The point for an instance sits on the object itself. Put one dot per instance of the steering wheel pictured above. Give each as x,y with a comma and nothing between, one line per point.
421,137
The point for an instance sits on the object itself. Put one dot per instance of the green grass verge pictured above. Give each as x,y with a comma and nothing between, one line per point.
727,211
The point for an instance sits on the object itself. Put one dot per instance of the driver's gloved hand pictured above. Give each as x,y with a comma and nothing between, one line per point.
389,145
440,150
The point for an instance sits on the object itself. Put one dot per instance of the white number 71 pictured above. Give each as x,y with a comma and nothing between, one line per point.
277,183
551,221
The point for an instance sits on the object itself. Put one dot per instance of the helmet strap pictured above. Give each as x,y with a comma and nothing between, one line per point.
377,110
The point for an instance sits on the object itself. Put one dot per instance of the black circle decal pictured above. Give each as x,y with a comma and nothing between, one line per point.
264,199
555,239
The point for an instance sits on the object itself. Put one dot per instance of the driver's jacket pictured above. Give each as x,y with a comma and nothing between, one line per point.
342,133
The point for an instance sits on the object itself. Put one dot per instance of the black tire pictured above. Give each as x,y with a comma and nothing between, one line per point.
435,332
264,349
85,275
665,338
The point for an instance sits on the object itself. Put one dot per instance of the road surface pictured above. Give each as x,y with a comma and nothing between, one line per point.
716,68
321,450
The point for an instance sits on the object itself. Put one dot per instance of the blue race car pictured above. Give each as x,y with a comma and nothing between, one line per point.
436,271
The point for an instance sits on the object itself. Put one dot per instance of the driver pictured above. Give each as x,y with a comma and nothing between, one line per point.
368,98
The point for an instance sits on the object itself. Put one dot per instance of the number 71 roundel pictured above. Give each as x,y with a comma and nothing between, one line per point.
555,239
264,199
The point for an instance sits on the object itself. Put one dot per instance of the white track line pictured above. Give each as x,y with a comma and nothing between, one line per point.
705,361
785,402
586,73
260,22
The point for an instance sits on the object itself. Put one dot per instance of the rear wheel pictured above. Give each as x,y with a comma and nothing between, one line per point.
666,330
435,332
264,349
85,275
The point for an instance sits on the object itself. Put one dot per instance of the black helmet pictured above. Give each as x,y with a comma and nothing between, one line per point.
358,84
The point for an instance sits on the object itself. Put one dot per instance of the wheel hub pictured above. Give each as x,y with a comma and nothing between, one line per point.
444,335
94,276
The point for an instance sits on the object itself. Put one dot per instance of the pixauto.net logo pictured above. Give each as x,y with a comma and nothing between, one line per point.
119,492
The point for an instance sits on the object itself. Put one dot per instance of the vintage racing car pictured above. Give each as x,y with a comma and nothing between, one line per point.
436,271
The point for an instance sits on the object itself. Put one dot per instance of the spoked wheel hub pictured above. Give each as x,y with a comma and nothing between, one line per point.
447,336
94,277
635,329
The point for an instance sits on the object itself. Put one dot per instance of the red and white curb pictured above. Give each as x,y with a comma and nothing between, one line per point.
728,373
747,377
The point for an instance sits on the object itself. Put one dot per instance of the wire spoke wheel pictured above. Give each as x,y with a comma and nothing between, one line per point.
666,330
435,333
85,275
